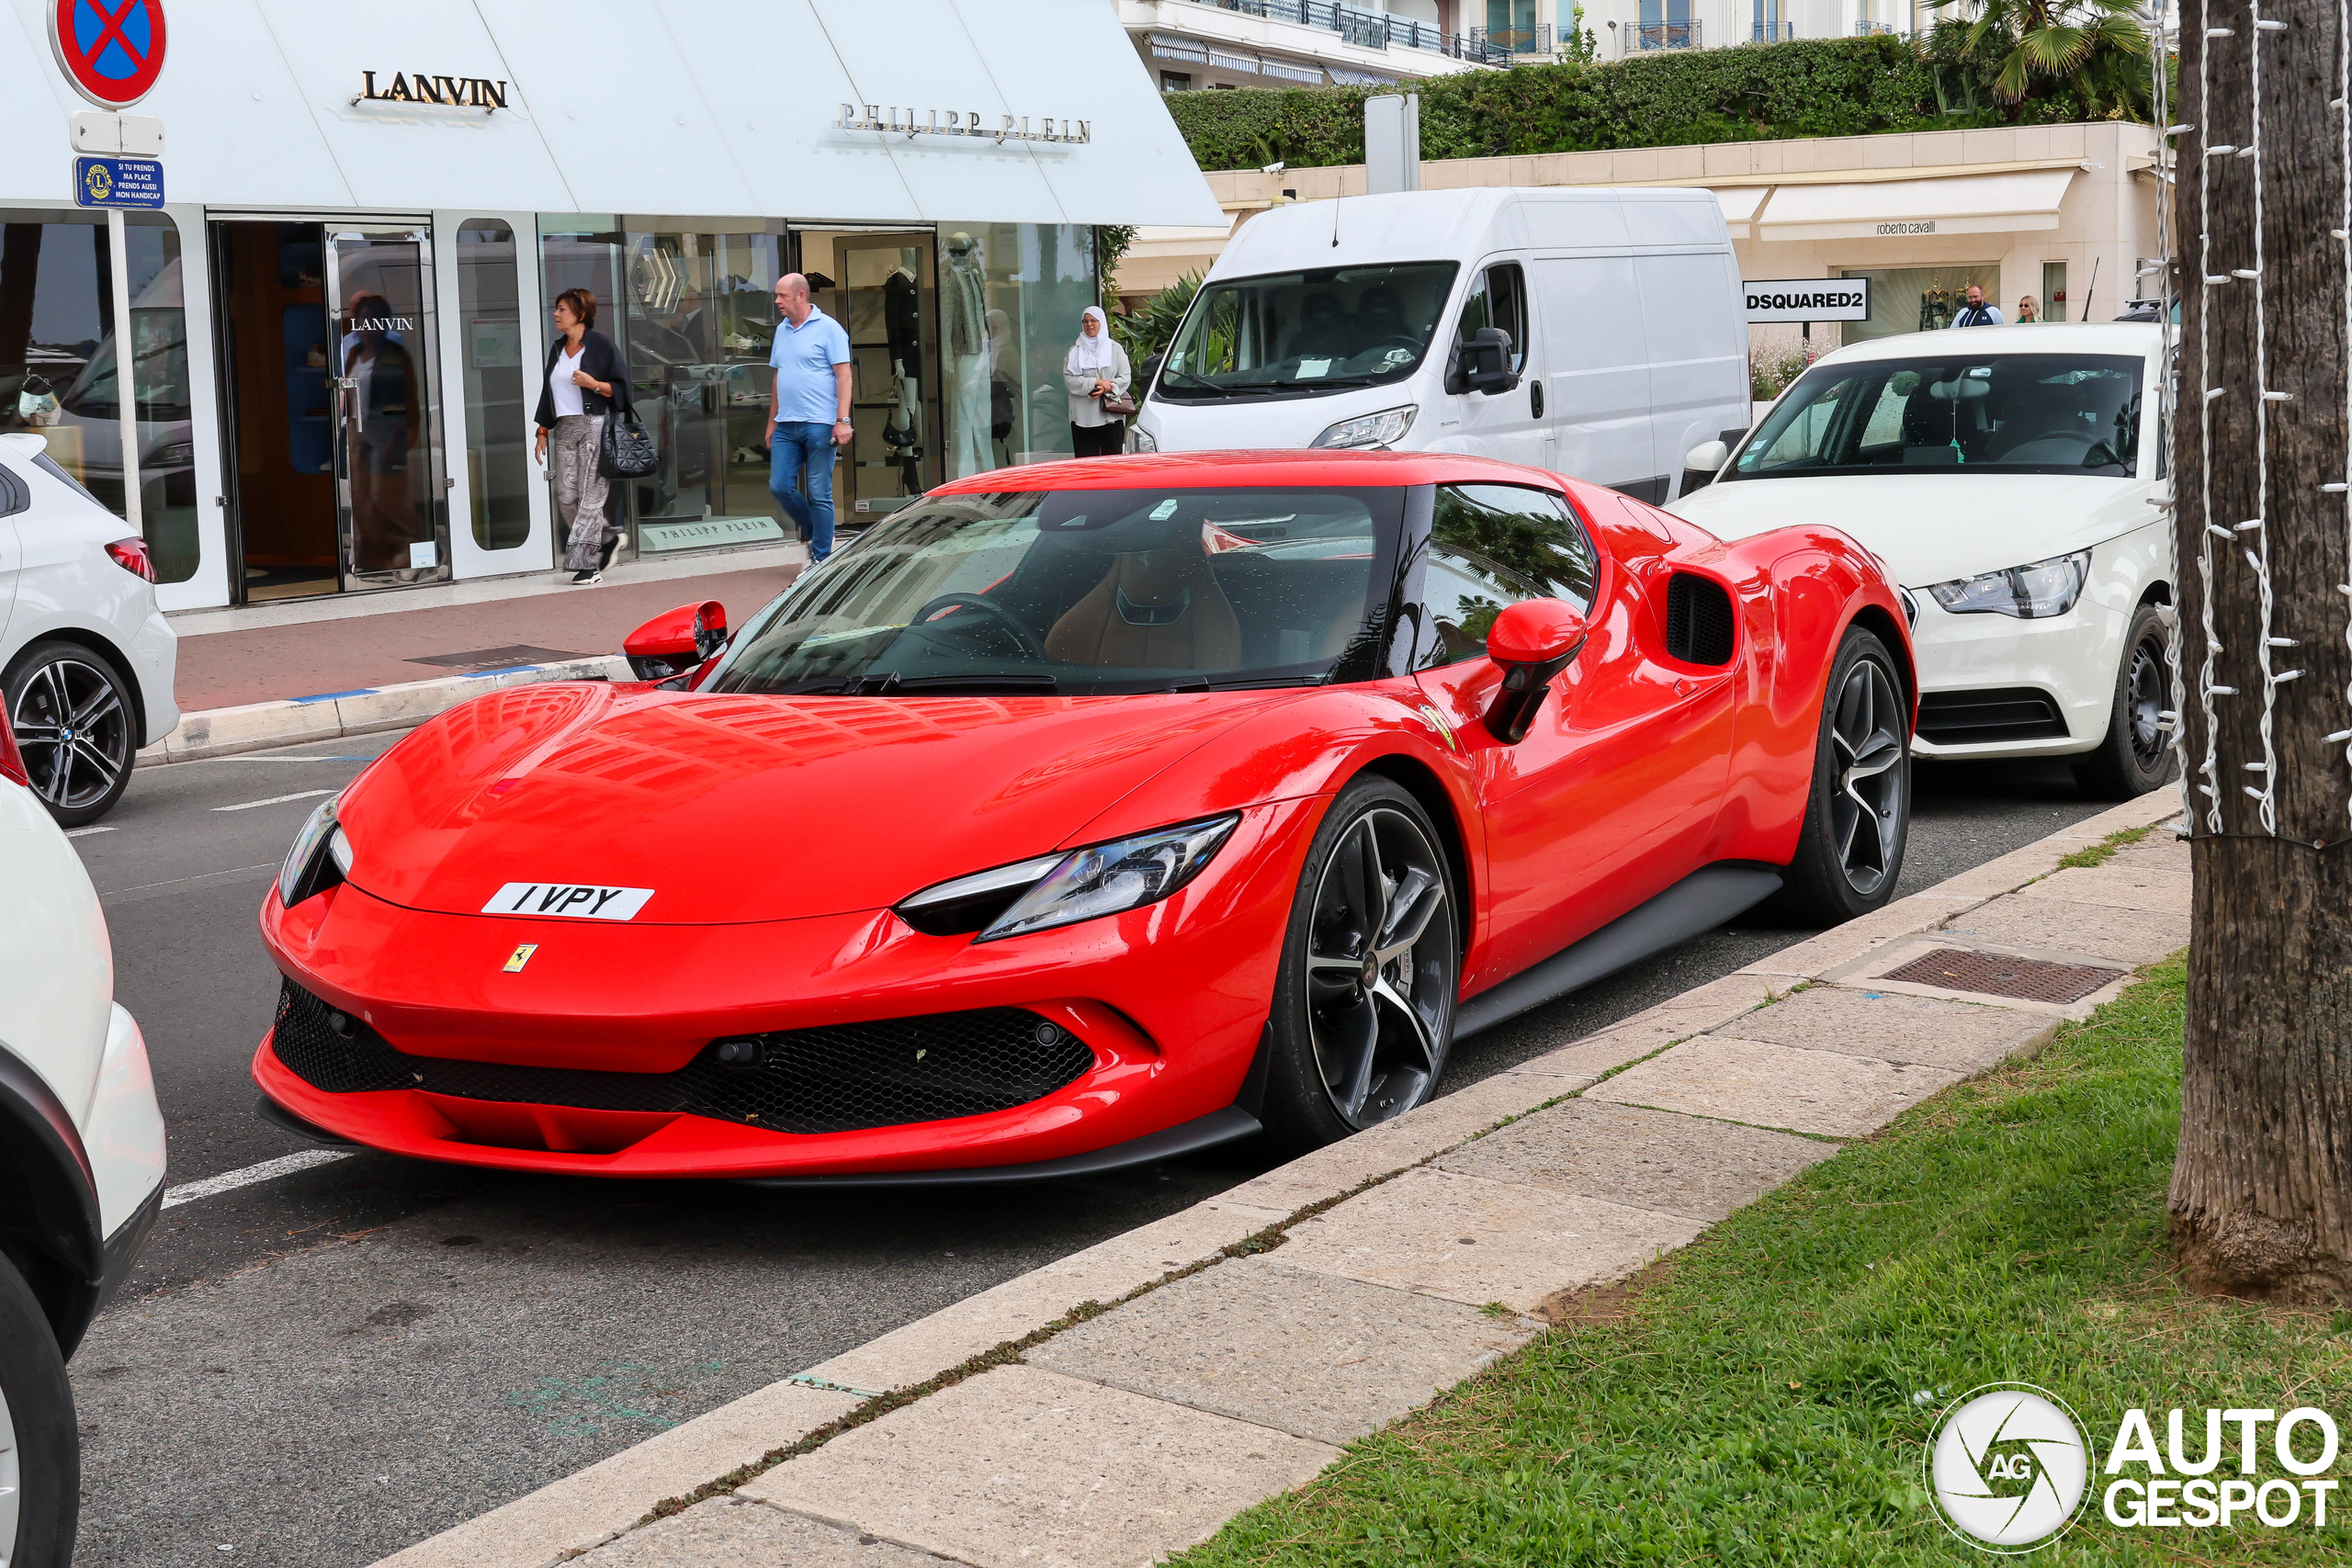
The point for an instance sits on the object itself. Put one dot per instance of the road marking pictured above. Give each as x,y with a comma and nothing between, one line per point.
199,876
268,1170
276,799
85,833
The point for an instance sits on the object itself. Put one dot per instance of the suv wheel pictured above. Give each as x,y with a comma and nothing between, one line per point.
75,723
40,1462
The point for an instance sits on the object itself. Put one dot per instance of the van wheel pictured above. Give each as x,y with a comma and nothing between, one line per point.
1857,813
73,716
41,1460
2137,754
1364,1004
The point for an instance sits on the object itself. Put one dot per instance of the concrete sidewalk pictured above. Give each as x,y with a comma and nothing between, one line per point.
1125,1402
284,672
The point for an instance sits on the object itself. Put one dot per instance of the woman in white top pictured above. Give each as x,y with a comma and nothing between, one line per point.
585,380
1096,369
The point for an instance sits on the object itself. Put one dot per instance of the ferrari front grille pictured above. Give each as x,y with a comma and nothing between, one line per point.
833,1080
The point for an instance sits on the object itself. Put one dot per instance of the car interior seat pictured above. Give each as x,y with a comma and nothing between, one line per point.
1154,609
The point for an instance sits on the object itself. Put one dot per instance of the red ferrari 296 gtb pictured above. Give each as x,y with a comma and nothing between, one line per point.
1087,814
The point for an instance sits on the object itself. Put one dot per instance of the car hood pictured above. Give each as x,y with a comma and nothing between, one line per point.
1933,529
746,808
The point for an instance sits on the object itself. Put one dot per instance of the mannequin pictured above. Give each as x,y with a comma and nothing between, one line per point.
963,308
903,323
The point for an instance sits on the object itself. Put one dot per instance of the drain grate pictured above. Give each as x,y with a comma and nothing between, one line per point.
1997,974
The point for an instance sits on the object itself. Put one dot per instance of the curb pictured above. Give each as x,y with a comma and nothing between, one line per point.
330,716
978,1337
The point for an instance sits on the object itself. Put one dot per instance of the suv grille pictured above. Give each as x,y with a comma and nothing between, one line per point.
834,1079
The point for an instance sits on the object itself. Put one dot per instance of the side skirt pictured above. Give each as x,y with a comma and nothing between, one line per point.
1699,903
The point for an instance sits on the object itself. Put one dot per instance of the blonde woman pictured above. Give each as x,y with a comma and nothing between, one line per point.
2029,309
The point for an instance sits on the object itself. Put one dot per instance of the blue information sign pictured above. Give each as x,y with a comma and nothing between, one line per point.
117,182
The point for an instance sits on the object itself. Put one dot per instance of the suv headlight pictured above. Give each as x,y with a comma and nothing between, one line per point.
1060,890
1383,429
2030,592
320,858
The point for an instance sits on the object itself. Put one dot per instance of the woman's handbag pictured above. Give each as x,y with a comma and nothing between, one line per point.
625,451
1117,405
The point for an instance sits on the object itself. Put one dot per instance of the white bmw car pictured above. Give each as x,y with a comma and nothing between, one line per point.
80,1159
86,658
2009,478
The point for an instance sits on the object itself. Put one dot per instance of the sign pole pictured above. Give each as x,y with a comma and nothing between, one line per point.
125,367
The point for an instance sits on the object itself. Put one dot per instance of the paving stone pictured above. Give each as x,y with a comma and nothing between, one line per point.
1323,1358
2010,872
2161,850
1776,1085
1647,1159
1104,1272
1393,1146
2122,884
1819,955
1524,1243
1961,1037
1629,1040
1024,1468
2125,936
735,1532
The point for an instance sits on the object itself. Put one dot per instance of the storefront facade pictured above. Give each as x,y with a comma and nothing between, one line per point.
338,320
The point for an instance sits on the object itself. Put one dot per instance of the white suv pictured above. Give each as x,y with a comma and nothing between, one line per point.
85,657
80,1159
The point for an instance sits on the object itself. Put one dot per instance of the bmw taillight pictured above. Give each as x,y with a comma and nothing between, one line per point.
132,557
12,762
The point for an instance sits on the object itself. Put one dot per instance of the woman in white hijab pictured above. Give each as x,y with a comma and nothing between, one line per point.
1096,369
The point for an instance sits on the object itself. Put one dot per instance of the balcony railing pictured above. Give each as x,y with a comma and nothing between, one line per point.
1864,30
1774,32
1668,35
1514,40
1372,29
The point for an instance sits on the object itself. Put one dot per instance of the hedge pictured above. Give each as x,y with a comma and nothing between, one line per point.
1670,98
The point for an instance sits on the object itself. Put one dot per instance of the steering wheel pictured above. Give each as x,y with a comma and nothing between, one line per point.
1395,340
1021,633
2074,431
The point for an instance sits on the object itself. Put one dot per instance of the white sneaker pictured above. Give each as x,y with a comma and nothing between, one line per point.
583,578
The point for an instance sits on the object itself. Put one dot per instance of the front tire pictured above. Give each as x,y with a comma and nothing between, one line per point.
77,728
1858,813
2136,756
1372,963
41,1462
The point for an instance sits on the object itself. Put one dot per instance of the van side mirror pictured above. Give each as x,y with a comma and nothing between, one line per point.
1533,641
1151,371
676,641
1483,364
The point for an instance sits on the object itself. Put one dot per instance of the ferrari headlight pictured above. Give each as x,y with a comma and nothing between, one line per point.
1383,429
2030,592
320,858
1059,890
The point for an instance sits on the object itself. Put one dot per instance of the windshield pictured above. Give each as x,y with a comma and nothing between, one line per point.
1299,333
2013,413
1086,592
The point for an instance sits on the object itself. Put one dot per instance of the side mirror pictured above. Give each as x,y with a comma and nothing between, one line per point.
676,641
1702,463
1483,364
1150,372
1532,640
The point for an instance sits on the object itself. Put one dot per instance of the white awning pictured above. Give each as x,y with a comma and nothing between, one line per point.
1966,204
1739,204
1289,71
1169,47
1347,78
1232,60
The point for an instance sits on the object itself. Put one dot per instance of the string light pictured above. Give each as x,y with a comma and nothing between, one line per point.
2210,768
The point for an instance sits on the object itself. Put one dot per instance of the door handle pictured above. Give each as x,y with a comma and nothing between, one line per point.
347,391
1535,399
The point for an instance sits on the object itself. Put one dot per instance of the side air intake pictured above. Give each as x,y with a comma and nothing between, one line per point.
1698,620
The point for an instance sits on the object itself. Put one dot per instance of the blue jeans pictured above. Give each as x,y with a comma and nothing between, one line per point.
797,444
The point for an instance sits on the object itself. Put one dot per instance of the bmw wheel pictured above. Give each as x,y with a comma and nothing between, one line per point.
2136,755
1364,1005
1858,814
76,727
40,1479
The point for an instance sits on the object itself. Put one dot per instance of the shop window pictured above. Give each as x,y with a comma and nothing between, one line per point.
1918,299
583,251
498,422
1011,299
2053,291
58,370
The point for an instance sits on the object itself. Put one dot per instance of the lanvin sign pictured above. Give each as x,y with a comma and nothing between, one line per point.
463,91
893,120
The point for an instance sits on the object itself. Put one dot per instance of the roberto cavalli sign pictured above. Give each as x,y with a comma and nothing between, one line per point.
1809,299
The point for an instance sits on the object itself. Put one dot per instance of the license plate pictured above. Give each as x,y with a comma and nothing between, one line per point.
572,900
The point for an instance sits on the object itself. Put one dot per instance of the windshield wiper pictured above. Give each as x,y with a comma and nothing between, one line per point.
1033,684
1290,383
1200,381
1239,683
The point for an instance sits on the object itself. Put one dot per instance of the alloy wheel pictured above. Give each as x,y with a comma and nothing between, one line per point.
12,1481
1866,814
74,732
2145,704
1380,968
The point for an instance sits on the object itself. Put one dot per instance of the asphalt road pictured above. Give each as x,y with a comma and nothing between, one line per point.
317,1369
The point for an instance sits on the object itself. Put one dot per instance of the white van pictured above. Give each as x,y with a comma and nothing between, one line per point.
1594,332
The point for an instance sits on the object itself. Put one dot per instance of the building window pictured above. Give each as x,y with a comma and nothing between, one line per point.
1010,297
1918,299
2053,291
57,377
1175,81
497,420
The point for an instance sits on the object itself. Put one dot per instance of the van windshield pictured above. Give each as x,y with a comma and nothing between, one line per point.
1301,333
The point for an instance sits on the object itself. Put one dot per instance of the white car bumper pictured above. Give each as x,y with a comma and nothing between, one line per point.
155,652
2040,688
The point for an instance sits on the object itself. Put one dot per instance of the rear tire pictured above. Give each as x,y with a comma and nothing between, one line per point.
2137,754
1858,812
76,725
1364,1004
41,1456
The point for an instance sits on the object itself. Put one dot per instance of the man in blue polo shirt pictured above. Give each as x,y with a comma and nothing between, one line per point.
810,416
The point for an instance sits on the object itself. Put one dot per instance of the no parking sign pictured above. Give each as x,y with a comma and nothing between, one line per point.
111,50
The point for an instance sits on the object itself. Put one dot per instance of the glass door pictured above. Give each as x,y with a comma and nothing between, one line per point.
887,300
390,507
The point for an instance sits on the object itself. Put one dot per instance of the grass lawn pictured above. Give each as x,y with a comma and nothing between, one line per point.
1757,1398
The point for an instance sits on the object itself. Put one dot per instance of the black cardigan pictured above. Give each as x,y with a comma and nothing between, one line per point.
598,356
